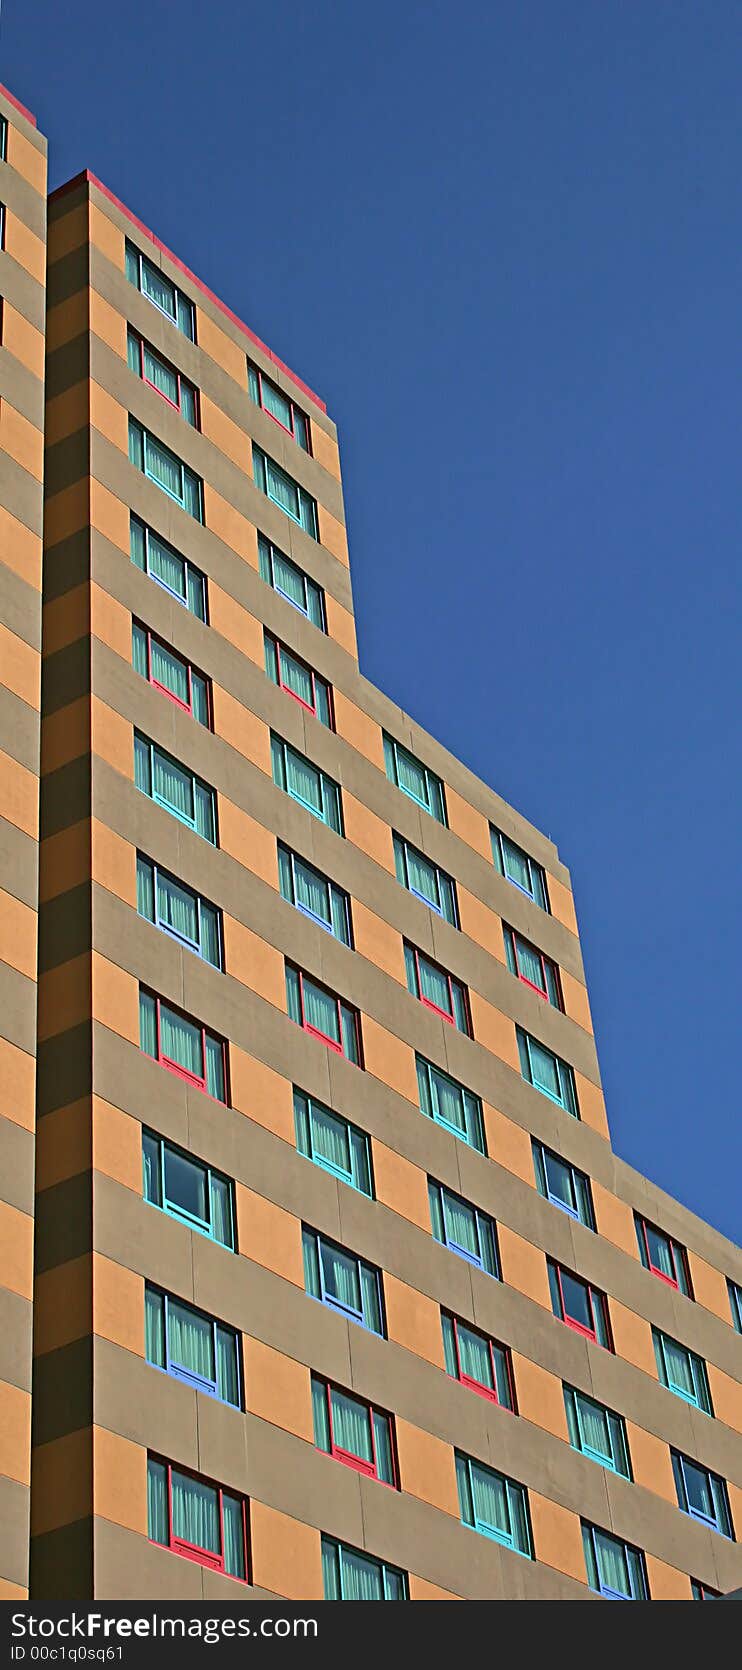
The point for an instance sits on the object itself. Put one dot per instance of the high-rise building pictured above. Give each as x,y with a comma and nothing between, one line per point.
339,1288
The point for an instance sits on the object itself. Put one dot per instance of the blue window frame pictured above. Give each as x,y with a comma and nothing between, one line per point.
463,1229
163,564
425,880
290,582
702,1494
283,491
449,1104
189,1345
342,1281
493,1504
330,1141
516,866
314,894
615,1569
188,1189
284,411
662,1255
547,1072
735,1304
682,1371
179,911
299,680
167,298
160,465
171,785
414,779
313,789
563,1184
597,1432
349,1574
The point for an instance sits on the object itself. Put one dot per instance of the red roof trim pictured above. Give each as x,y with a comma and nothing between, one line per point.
91,179
29,115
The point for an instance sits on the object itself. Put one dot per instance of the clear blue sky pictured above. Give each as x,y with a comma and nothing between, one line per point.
503,241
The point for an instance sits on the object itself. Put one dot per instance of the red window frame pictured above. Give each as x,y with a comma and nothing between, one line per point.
543,991
597,1298
450,981
369,1469
277,646
185,707
191,1551
489,1392
171,1066
675,1250
314,1032
261,376
180,379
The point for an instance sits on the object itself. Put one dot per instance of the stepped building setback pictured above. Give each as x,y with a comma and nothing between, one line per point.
319,1276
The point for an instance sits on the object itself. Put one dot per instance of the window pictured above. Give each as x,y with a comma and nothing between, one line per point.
171,571
3,139
342,1281
735,1304
530,965
347,1574
278,406
307,687
323,1015
331,1142
663,1256
477,1361
515,865
353,1432
615,1569
313,894
182,1046
291,582
162,377
178,911
188,1189
701,1591
169,673
438,990
414,779
148,279
493,1505
176,788
161,466
581,1306
597,1432
702,1494
283,491
547,1072
463,1229
424,879
191,1346
449,1104
2,225
313,789
563,1184
682,1371
197,1519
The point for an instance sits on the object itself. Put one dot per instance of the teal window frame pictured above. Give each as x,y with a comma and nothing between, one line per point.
579,1409
190,496
444,904
444,1204
507,854
340,1558
700,1396
271,560
267,473
329,809
144,543
320,1284
527,1051
515,1530
161,1161
336,919
432,797
595,1543
547,1167
316,1126
207,943
140,272
432,1084
202,818
161,1314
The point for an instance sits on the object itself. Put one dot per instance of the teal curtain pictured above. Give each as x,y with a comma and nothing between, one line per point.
463,1482
192,495
423,878
215,1069
331,1569
157,287
199,699
303,781
205,812
339,910
330,1140
370,1298
289,581
281,489
516,864
161,376
312,891
173,786
166,566
461,1225
341,1278
234,1538
411,777
612,1568
321,1010
221,1211
142,764
137,542
307,514
349,1032
139,651
360,1162
163,467
188,402
660,1253
151,1179
277,404
145,889
320,1414
594,1432
180,1041
529,964
360,1579
449,1346
678,1369
132,263
147,1024
447,1101
154,1327
177,908
196,593
227,1375
210,935
136,444
169,670
350,1425
310,1251
190,1341
475,1357
195,1513
322,702
436,1211
489,1495
383,1444
293,994
559,1180
278,763
434,985
157,1526
544,1070
301,1121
